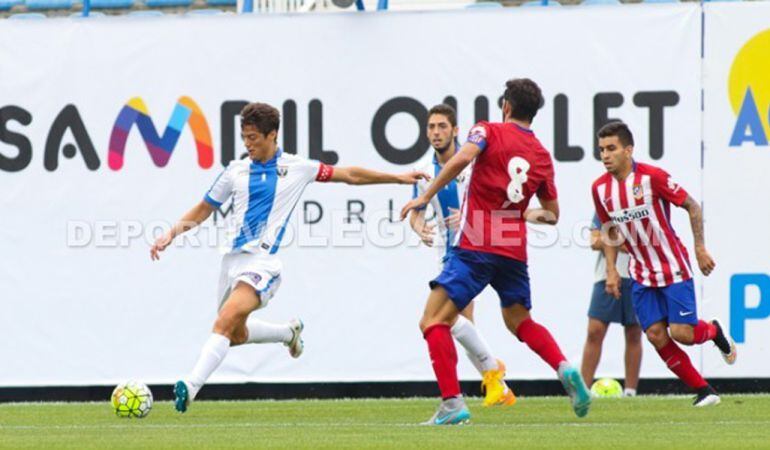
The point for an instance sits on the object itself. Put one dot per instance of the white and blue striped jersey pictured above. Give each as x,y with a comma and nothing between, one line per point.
451,196
263,198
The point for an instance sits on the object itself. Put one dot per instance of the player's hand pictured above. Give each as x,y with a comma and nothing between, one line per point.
453,221
412,177
160,244
612,285
426,233
705,261
416,204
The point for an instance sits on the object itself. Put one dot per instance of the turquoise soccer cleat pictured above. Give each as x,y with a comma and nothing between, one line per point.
450,412
576,388
181,396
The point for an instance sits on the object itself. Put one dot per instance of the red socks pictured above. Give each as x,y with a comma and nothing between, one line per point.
443,356
541,342
679,363
704,331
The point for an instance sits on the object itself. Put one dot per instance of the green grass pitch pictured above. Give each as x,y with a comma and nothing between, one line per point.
741,421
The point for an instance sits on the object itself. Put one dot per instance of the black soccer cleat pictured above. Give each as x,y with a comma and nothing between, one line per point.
725,344
706,396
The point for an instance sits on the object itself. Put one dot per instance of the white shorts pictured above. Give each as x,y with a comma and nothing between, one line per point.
262,272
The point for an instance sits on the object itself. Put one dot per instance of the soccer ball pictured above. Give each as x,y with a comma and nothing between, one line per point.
132,399
607,388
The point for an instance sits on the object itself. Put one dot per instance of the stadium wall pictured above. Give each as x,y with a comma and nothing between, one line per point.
82,305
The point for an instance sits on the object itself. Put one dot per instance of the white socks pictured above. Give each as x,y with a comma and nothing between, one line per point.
628,392
212,354
216,347
474,344
261,332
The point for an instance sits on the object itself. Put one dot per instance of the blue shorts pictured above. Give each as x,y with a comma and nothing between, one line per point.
608,309
466,273
674,303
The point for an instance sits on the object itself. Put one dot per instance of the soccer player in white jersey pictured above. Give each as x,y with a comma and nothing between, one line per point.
634,199
265,187
442,133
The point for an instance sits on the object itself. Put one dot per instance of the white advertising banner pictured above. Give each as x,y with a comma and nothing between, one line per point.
111,129
737,156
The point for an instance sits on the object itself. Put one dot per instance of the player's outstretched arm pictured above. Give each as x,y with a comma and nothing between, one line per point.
190,220
421,227
705,261
456,164
360,175
547,214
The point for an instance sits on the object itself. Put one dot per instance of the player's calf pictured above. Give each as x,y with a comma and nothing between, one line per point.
683,334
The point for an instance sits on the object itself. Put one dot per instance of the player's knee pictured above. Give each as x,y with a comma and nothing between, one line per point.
634,335
595,335
513,318
427,322
657,336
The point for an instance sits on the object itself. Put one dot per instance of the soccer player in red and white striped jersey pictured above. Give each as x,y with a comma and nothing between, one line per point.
634,200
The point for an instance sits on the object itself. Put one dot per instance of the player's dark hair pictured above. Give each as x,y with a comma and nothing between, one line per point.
445,110
619,129
263,116
525,98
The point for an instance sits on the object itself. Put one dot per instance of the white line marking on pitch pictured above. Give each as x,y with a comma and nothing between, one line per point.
136,425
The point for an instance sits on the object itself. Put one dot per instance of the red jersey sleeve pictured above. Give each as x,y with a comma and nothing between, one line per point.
547,189
325,172
667,188
599,206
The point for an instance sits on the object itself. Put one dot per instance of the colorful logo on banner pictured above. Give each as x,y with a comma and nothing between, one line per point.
160,148
749,91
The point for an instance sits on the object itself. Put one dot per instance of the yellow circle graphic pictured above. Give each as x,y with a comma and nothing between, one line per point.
751,70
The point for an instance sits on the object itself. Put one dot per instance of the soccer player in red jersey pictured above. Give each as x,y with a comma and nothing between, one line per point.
509,167
634,200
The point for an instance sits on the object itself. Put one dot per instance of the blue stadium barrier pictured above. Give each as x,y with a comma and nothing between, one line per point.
166,3
221,2
660,1
204,12
600,2
27,16
35,5
484,5
79,15
146,13
540,3
112,4
5,5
